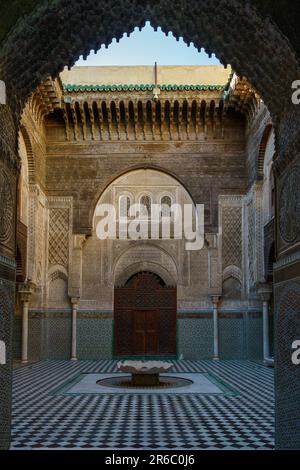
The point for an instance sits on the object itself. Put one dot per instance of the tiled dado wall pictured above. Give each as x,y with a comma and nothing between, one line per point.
240,335
50,335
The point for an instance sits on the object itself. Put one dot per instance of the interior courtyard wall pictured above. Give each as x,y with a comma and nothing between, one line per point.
268,31
71,170
8,174
206,168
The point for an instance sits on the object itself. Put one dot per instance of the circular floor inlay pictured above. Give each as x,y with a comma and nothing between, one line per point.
125,382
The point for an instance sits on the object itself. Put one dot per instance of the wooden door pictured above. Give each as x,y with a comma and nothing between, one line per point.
145,332
145,317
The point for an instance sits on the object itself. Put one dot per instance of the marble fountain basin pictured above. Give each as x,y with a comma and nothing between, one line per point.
144,373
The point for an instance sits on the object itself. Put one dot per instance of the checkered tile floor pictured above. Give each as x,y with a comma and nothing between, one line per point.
42,420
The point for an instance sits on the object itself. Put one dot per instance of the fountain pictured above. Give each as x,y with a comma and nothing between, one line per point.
144,373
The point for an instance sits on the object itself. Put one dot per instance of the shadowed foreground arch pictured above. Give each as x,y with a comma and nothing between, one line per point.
56,35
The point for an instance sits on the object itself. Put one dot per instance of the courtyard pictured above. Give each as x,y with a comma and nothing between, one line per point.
52,411
149,208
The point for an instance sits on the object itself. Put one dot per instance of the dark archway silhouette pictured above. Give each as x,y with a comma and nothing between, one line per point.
56,35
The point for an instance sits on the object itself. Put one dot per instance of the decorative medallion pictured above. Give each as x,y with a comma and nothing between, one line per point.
6,208
289,207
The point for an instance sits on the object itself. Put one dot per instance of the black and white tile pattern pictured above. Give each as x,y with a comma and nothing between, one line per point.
44,420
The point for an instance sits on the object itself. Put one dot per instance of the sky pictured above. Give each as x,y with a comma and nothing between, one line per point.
146,47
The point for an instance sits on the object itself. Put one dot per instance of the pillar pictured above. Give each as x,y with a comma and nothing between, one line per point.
266,342
265,291
25,292
74,301
75,286
24,357
215,301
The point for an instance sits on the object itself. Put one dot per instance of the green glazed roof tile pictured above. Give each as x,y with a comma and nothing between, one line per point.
142,87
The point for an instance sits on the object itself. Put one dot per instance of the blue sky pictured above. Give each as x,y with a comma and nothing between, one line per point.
147,46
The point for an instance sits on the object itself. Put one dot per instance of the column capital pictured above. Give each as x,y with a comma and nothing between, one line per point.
75,300
79,241
215,299
265,291
25,290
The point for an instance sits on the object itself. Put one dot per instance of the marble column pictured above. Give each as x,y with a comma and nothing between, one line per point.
266,342
24,357
75,286
74,301
215,301
25,292
265,291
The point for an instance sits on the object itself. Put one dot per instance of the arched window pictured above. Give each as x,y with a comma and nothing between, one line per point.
124,205
167,217
166,203
145,206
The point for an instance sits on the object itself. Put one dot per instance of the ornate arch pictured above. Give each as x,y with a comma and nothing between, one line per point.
30,155
122,277
232,271
74,28
262,151
125,194
57,273
165,194
57,288
164,266
129,170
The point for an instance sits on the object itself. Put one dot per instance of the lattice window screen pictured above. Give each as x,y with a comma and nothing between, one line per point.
232,236
59,236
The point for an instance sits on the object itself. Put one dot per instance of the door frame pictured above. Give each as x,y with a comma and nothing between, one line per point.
127,299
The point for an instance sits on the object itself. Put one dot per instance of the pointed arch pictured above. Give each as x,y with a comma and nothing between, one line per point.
232,271
30,155
223,27
262,151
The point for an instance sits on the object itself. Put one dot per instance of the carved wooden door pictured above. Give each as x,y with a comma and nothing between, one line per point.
145,317
145,332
